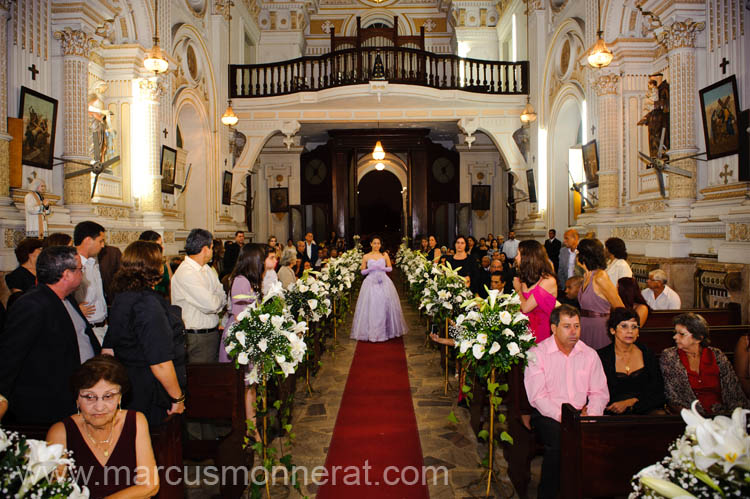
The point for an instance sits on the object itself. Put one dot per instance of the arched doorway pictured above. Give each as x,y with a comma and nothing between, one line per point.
194,139
380,207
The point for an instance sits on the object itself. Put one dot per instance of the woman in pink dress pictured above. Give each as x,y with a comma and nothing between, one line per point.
536,286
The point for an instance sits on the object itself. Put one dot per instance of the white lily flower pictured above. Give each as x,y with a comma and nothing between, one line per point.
465,345
287,368
252,376
482,338
478,351
280,359
508,332
245,313
263,345
243,358
264,318
312,303
43,460
300,327
241,337
519,316
492,296
514,299
505,317
665,487
460,319
494,348
448,305
302,288
277,321
513,348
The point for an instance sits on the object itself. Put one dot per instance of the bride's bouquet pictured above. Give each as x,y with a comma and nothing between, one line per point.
28,468
711,459
267,338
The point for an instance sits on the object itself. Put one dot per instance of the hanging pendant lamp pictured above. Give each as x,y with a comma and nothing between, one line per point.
528,115
155,60
229,118
599,55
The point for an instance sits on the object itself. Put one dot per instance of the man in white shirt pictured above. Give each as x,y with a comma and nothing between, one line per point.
510,247
88,238
658,295
197,291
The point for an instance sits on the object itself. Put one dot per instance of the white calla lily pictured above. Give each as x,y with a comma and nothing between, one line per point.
494,348
477,351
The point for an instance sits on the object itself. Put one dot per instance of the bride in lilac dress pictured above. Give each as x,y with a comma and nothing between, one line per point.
378,316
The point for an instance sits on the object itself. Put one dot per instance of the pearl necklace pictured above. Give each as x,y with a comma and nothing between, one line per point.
109,439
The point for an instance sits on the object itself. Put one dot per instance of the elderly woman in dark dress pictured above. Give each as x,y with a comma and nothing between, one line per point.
694,370
633,375
103,437
147,335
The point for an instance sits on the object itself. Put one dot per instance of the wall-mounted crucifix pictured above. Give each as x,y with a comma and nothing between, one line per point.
165,132
723,65
726,174
34,71
593,129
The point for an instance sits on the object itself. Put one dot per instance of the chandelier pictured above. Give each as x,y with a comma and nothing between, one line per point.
599,55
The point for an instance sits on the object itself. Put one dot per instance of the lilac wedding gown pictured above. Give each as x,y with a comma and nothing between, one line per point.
378,316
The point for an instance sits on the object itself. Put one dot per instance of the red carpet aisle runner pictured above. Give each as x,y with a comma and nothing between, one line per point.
376,424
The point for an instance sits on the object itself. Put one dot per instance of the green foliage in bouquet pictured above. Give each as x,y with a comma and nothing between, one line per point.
444,294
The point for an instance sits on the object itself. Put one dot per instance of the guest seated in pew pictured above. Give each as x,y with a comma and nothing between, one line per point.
147,335
633,374
565,371
102,437
630,294
742,363
572,287
693,370
658,295
286,270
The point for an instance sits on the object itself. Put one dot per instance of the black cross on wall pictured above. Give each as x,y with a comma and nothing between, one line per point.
723,65
34,71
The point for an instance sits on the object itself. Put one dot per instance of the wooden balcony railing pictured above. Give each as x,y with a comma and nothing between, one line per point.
401,65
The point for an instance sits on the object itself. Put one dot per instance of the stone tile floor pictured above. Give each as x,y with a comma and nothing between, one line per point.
444,443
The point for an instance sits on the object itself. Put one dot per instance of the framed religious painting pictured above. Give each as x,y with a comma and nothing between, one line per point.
279,199
720,111
744,159
226,189
39,115
167,168
591,163
531,184
480,197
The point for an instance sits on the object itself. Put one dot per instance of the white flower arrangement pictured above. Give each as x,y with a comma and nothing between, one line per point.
308,298
445,294
28,468
266,338
341,273
711,459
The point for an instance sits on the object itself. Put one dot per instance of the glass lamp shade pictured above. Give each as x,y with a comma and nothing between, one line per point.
378,153
599,55
155,60
229,118
528,115
380,167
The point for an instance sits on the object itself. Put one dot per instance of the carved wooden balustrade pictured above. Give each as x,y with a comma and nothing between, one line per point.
400,65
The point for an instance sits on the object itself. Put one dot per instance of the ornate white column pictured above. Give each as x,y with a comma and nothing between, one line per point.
76,49
679,39
4,137
607,88
150,91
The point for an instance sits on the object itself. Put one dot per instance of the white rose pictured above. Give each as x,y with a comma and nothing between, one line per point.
478,351
263,345
482,338
494,348
241,337
243,359
505,317
513,348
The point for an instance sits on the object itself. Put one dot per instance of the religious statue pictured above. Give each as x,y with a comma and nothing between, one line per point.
37,208
657,117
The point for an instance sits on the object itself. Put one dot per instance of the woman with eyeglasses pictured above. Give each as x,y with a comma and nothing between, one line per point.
633,375
103,436
693,370
147,335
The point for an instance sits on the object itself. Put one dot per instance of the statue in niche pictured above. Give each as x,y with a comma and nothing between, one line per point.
657,115
521,138
102,138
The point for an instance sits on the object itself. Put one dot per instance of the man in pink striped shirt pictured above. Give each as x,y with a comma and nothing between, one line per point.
565,371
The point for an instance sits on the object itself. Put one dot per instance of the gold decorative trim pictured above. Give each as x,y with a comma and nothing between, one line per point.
703,235
727,187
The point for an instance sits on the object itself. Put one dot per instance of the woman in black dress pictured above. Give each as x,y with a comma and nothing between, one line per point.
633,375
147,335
433,254
23,278
467,266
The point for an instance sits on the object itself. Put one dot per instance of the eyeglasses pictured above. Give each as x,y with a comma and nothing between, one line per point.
77,269
107,398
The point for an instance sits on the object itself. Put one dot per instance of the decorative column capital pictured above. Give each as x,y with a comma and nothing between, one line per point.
221,7
535,5
76,42
150,89
607,84
680,34
4,7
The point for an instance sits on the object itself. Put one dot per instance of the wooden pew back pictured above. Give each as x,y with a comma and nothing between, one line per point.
602,453
722,337
714,316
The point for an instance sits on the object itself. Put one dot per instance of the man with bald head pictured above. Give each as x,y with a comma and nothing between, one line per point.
567,267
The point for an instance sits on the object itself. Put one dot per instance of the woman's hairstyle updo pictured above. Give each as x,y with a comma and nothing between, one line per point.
696,324
141,267
100,367
591,254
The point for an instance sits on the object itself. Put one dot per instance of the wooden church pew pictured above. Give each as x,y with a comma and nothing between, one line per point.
602,453
714,316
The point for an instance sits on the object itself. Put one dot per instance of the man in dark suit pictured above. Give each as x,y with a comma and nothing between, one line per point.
311,249
568,267
232,252
46,338
552,246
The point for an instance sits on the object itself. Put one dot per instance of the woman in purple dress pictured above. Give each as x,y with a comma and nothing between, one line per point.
246,284
378,316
